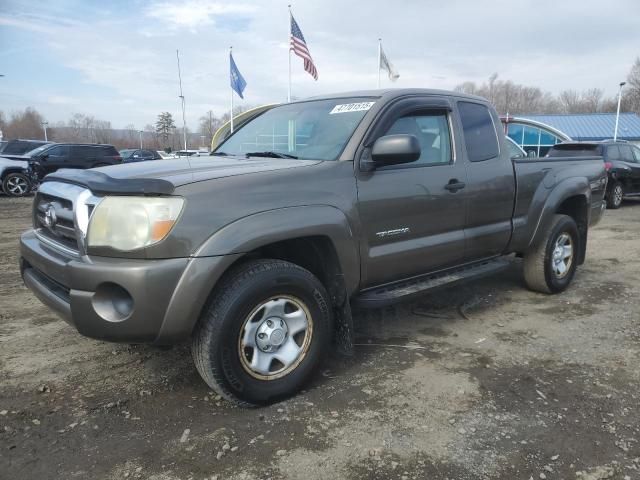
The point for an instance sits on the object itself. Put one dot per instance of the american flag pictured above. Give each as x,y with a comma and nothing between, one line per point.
299,47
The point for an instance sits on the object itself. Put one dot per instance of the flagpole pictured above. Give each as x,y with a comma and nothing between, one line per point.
379,52
231,88
289,50
184,121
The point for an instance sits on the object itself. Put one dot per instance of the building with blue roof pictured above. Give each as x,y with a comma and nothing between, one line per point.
538,133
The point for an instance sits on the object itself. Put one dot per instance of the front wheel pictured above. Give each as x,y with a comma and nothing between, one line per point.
263,332
16,185
550,265
615,196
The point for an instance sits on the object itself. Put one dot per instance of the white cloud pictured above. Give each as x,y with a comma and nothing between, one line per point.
193,13
62,100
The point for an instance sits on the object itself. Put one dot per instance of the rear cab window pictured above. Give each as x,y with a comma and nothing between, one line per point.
479,131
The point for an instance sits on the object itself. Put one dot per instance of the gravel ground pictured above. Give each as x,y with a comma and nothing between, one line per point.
481,381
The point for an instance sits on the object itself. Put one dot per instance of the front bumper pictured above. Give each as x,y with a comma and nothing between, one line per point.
121,300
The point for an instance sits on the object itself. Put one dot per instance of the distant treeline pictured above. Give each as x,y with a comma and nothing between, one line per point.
507,96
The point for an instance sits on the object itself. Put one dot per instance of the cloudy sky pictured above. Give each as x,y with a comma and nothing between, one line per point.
116,60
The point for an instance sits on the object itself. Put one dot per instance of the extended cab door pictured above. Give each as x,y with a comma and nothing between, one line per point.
491,181
412,214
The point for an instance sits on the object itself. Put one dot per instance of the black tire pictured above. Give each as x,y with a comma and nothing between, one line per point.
615,195
216,345
16,184
540,271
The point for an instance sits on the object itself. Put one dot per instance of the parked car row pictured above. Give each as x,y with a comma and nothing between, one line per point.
23,163
621,160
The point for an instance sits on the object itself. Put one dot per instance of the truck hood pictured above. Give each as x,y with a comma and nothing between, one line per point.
180,171
163,176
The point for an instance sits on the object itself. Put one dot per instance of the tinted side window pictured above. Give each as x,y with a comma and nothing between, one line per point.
626,153
83,153
110,151
479,132
57,151
613,153
636,153
432,131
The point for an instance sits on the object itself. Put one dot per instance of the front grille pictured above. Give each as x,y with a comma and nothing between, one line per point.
62,230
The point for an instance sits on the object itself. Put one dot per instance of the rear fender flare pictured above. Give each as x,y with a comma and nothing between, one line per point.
570,187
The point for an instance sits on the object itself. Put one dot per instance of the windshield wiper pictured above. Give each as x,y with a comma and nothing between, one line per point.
270,155
220,154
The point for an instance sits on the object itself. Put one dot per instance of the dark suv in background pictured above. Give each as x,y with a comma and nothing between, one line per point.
622,161
20,147
50,158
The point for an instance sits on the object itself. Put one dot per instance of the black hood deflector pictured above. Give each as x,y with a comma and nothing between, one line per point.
101,183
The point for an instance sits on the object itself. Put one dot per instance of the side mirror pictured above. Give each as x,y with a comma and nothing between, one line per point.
393,150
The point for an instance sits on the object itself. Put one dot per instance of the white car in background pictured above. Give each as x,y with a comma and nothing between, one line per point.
15,178
190,153
165,155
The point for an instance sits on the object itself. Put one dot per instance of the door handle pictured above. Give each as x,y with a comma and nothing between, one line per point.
454,185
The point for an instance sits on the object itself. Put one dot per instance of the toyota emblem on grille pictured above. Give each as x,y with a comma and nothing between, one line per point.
50,218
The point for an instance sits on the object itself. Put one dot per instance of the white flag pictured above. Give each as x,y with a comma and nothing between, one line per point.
385,64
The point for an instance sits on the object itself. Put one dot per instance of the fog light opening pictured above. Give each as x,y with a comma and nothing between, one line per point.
112,302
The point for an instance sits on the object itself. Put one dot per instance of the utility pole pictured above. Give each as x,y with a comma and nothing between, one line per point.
140,132
44,126
615,133
181,96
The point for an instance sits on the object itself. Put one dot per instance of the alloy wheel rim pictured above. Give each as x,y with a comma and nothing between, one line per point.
16,186
617,194
562,255
275,337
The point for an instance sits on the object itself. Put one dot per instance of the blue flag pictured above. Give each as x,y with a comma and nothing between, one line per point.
238,82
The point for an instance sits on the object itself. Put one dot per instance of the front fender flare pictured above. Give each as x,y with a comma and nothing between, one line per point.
263,228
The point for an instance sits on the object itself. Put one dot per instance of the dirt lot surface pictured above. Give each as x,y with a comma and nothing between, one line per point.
482,381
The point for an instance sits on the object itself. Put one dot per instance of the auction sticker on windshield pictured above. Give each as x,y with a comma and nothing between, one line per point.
351,107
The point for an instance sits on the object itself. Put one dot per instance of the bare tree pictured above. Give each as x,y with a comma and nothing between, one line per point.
591,100
633,89
25,124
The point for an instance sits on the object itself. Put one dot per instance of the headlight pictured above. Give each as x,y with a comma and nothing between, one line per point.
130,223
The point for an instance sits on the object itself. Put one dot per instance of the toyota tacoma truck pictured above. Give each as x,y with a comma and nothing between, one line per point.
257,253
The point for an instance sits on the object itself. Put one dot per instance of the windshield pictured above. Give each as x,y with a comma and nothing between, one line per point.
38,150
315,130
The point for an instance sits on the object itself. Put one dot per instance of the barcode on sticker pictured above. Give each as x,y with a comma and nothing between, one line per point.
351,107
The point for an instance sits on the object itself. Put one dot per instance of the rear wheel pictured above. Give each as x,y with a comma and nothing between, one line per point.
549,266
615,196
263,332
16,185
